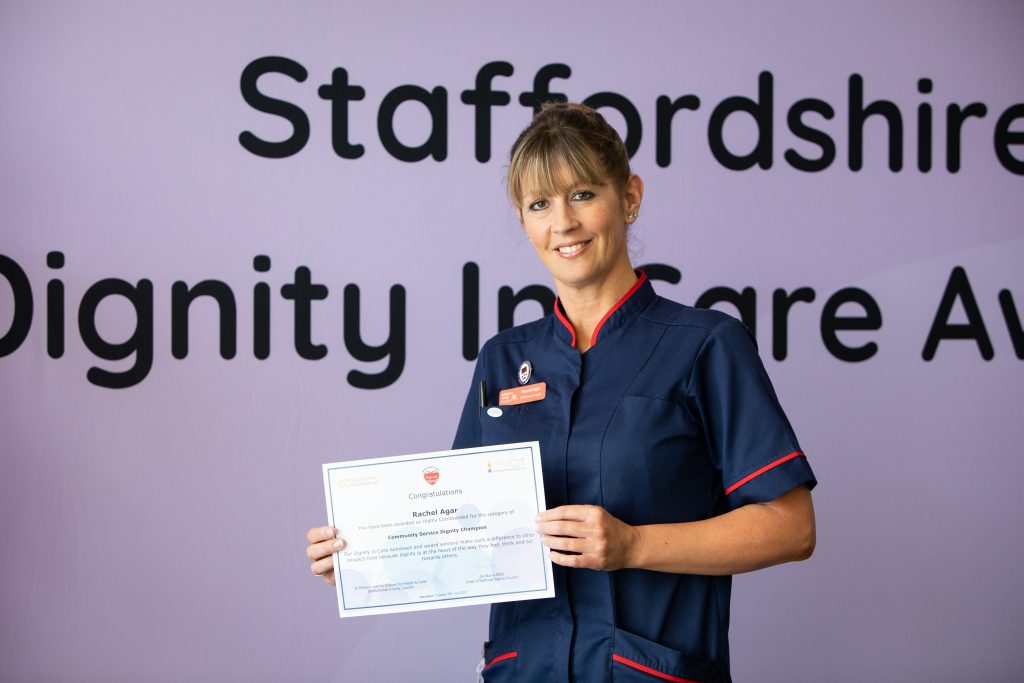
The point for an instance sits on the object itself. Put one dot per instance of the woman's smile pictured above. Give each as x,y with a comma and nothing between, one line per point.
573,249
579,232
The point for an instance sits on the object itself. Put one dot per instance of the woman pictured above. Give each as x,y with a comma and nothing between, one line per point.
668,462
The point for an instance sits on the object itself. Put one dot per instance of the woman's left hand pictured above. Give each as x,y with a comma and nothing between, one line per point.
601,540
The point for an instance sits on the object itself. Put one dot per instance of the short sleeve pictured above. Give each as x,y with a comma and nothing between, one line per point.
468,433
749,438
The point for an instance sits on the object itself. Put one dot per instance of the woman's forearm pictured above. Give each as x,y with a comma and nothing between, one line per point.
742,540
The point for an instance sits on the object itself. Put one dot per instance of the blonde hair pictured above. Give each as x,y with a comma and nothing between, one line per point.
566,138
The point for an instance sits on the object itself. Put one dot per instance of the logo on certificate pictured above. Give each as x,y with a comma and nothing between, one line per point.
510,464
347,482
431,475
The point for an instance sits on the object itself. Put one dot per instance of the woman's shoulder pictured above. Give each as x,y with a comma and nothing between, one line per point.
519,334
674,314
699,329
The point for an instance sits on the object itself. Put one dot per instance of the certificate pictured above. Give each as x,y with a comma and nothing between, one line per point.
440,529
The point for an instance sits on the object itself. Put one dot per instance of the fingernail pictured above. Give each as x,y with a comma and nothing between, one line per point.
331,531
537,518
339,544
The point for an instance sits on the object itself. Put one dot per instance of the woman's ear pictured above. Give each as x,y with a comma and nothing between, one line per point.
632,196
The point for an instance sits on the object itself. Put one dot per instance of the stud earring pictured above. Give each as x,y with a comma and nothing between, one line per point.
631,215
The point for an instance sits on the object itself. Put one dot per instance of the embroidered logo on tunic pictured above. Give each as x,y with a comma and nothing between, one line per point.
525,372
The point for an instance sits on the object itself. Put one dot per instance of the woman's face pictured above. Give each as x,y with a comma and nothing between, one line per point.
579,231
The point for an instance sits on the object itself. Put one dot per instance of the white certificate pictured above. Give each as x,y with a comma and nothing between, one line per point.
440,529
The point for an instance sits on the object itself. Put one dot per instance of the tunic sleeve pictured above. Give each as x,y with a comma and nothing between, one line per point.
468,433
750,440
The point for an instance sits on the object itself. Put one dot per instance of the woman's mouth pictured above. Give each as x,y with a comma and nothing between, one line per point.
572,250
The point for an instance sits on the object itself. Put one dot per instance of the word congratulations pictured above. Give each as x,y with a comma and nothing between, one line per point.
847,311
435,494
813,125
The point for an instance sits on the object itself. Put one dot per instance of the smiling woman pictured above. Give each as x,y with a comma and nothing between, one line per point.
668,462
571,183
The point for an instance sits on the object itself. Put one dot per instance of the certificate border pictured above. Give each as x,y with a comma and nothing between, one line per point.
532,446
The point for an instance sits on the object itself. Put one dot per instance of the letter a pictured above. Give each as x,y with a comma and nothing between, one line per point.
958,287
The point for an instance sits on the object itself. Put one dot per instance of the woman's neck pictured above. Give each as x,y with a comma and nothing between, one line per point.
585,305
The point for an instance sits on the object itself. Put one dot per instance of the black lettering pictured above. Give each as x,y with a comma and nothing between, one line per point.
140,343
55,308
181,300
831,323
482,99
666,109
1004,138
436,102
745,303
304,292
268,105
781,303
21,291
261,311
955,117
634,126
924,128
958,287
509,300
340,93
859,114
541,92
1013,325
762,112
393,347
794,119
470,311
660,272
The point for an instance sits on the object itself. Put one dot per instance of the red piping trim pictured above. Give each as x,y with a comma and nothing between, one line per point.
568,326
636,285
501,658
649,670
758,473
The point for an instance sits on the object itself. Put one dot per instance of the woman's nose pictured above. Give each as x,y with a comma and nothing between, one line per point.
564,219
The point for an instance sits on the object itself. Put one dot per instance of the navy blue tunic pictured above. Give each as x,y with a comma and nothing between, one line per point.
668,417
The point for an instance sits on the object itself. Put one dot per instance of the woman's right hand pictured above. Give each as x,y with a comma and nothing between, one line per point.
322,546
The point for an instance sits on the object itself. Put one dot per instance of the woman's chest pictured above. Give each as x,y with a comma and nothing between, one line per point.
614,430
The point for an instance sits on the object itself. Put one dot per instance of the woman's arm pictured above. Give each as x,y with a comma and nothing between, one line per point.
750,537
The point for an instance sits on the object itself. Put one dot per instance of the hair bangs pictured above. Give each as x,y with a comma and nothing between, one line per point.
551,163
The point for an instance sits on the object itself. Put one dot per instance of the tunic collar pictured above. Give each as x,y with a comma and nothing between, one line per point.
631,303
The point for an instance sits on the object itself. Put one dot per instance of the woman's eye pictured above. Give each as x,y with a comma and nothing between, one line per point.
582,195
539,205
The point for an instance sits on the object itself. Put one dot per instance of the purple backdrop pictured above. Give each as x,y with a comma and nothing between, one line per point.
155,532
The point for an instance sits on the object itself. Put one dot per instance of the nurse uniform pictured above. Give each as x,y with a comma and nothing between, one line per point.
668,417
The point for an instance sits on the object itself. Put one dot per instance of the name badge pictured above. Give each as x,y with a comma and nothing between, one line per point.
527,394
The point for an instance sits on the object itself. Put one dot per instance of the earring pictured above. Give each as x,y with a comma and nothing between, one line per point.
631,215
